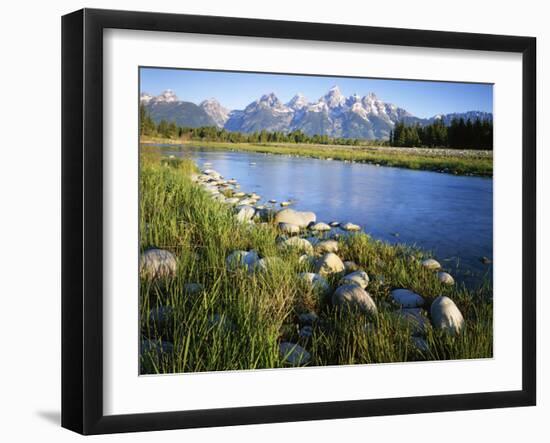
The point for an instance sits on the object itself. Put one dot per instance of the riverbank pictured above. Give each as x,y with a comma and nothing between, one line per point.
278,302
453,161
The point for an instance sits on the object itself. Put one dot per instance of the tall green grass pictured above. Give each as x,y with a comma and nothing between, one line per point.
240,318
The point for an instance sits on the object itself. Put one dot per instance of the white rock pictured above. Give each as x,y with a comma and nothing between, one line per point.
325,246
329,264
294,354
299,218
446,315
334,224
244,213
320,227
239,194
267,264
431,264
242,259
232,200
414,319
298,244
445,278
407,298
359,278
316,281
289,228
351,227
353,296
157,263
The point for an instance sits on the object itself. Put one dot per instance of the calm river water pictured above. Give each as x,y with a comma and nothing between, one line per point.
452,216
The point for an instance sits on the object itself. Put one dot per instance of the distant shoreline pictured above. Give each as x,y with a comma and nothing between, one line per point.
452,161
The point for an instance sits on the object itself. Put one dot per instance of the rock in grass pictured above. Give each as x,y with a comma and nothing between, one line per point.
268,264
294,354
326,246
232,200
414,319
244,213
313,240
446,315
431,264
359,278
308,318
298,218
306,332
407,298
297,244
192,288
329,264
350,266
157,263
160,318
242,259
354,297
420,344
239,194
320,227
289,228
351,227
316,281
334,224
445,278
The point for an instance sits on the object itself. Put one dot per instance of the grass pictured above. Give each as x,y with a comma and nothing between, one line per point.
239,319
462,162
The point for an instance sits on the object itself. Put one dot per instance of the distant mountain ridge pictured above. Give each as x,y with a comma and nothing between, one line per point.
333,114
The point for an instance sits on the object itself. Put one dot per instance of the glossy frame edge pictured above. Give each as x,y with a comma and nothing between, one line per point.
82,219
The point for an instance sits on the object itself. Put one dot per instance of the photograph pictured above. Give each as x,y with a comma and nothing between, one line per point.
298,221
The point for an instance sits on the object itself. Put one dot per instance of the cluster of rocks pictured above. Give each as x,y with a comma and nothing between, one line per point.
317,241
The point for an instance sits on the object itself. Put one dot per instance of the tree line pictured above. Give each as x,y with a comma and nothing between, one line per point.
460,134
171,130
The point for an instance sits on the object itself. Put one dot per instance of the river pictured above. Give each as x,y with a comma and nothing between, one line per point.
449,215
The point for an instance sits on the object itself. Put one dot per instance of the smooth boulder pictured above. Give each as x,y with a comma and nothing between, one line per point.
354,297
297,244
445,278
414,319
329,264
242,259
359,278
350,266
157,263
326,246
289,228
406,298
320,227
350,227
315,281
294,354
431,264
298,218
244,213
446,315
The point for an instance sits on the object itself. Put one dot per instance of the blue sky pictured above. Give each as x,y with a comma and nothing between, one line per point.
235,90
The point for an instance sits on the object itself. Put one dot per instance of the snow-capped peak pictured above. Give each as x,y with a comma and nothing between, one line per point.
270,99
145,98
215,110
297,102
167,96
333,98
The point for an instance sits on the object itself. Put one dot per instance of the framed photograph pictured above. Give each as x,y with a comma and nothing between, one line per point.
269,221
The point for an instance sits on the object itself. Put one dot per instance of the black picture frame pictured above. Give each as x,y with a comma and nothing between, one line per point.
82,219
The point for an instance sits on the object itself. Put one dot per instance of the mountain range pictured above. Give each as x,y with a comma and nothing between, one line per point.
333,114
